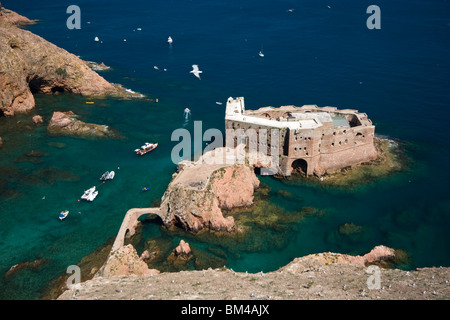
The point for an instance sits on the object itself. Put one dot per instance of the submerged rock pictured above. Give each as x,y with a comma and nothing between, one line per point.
37,119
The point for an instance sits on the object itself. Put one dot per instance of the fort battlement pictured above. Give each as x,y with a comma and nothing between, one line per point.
311,140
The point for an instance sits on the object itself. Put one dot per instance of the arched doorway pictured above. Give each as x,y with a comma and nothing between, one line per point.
300,166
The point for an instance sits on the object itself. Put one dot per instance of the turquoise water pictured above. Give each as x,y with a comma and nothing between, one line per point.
399,75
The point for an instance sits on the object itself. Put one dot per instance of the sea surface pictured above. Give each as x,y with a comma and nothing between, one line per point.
319,53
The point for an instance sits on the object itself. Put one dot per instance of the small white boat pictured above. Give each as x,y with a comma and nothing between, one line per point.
96,39
92,196
108,175
63,214
111,175
219,103
87,193
261,54
170,40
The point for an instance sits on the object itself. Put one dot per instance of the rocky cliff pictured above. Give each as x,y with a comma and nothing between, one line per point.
30,64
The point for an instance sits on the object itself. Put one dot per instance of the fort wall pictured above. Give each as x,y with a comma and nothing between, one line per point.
311,140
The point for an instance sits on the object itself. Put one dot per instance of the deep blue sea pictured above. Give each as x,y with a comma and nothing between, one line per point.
319,53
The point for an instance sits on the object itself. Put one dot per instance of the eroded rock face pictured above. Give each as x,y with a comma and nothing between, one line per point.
197,208
66,123
29,64
125,262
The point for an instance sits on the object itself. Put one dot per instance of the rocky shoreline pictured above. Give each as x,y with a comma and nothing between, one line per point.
323,276
30,64
126,275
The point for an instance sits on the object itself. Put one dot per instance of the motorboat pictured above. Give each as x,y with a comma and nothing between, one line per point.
147,147
111,175
104,176
145,189
63,214
92,196
261,54
87,194
170,40
108,175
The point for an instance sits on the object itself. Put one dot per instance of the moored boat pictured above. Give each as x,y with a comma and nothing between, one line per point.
87,194
147,147
63,214
92,196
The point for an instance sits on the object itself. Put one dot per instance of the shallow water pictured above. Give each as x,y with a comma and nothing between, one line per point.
398,75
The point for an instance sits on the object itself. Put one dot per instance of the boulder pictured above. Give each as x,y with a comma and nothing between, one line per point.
37,119
183,249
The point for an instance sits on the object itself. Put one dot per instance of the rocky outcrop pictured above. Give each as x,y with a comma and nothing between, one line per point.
30,64
183,249
13,17
376,255
196,196
66,123
37,119
124,262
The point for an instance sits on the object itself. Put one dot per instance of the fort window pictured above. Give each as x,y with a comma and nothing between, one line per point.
359,134
332,144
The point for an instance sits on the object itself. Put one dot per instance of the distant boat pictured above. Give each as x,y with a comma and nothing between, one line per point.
108,175
90,194
145,189
63,214
170,40
261,54
96,39
219,103
147,147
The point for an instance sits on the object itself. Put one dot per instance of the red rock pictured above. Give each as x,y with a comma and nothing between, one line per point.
37,119
183,248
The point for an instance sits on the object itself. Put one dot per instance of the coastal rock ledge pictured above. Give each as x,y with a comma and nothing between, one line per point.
30,64
66,123
323,276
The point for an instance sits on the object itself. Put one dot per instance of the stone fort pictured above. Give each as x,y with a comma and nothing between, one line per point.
312,140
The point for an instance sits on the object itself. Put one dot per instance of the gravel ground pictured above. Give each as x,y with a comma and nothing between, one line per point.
296,281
